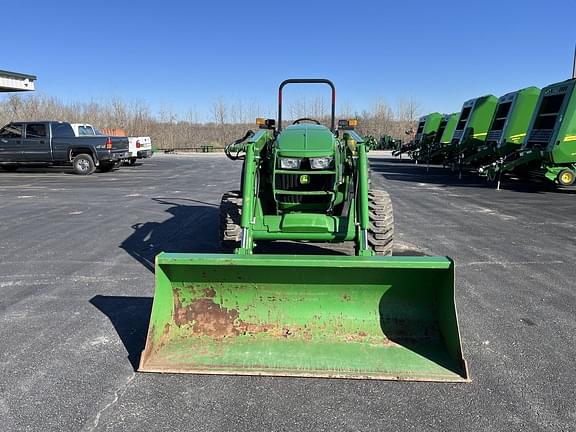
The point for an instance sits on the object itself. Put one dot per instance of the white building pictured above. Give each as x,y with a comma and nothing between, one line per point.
14,82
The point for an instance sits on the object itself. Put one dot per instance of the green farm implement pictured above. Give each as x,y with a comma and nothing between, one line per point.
472,128
443,140
370,315
442,137
508,128
426,133
549,147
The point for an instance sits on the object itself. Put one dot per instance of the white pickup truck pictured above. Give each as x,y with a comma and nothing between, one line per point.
138,147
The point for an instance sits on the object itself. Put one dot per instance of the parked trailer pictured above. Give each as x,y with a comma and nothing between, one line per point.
509,127
549,149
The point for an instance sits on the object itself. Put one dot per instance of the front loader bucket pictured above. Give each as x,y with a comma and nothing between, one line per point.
319,316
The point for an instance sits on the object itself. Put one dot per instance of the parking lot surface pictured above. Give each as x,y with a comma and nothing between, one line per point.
76,287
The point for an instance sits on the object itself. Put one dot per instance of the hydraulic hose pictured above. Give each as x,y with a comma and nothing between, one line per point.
230,148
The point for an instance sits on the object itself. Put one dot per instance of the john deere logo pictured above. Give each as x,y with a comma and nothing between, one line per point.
304,179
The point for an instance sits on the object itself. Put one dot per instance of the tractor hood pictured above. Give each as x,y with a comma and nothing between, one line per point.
306,140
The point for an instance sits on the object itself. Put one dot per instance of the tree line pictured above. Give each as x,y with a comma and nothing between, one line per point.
228,120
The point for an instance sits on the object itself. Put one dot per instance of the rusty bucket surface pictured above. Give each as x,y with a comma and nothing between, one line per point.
320,316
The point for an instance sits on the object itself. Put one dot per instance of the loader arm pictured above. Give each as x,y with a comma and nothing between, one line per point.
363,210
253,147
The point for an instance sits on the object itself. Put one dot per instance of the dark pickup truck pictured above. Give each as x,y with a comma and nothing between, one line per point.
54,142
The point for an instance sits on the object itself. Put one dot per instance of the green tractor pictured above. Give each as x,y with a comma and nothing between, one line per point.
370,315
388,142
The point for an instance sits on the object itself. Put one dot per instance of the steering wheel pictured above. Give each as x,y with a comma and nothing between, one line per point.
298,121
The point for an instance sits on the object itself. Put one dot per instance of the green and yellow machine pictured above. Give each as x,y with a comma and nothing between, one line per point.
445,134
508,128
425,133
370,315
442,138
428,127
549,148
471,129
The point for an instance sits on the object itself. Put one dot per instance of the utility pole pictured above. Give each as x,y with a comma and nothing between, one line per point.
574,64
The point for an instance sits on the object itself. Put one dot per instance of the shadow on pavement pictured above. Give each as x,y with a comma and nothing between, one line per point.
192,228
129,316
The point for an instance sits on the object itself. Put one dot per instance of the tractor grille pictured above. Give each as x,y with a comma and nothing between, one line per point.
291,183
318,182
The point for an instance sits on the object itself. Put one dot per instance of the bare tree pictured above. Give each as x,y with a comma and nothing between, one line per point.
408,112
228,121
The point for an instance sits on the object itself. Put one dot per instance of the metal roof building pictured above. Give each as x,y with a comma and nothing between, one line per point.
14,82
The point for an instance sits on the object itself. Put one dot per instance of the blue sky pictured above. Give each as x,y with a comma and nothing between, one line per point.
182,55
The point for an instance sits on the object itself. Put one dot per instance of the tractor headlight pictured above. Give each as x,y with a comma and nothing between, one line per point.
321,162
290,163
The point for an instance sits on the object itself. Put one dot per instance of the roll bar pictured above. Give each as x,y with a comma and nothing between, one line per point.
308,81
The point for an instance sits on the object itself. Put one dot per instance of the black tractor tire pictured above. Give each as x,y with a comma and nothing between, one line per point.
381,229
230,218
566,177
9,167
83,164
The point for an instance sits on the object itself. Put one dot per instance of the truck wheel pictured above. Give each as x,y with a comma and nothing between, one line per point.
566,177
83,164
230,218
381,229
132,161
9,167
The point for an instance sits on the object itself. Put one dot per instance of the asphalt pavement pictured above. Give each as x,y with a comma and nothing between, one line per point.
76,287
